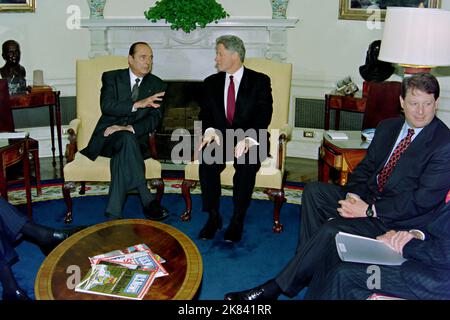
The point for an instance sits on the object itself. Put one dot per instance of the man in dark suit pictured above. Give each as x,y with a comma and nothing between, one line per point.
399,185
14,225
235,113
425,274
130,103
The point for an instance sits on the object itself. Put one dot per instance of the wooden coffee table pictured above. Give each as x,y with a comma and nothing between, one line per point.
183,260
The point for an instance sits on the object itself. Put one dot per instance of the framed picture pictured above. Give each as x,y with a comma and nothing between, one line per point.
17,5
363,9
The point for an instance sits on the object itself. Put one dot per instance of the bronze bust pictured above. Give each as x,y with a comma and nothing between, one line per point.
374,69
12,70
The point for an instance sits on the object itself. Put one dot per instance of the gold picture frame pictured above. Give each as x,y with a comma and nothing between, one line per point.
361,10
17,5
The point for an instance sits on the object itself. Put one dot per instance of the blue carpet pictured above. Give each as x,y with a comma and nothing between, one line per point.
259,256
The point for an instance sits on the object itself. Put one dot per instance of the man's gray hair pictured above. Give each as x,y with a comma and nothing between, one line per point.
233,44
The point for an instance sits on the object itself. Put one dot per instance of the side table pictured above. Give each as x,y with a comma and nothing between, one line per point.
43,99
342,155
12,152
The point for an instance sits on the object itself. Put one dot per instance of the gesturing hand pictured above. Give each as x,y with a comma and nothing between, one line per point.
150,102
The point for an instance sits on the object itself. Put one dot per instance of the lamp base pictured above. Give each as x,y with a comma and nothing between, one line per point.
414,70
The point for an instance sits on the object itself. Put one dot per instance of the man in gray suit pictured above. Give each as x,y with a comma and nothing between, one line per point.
130,102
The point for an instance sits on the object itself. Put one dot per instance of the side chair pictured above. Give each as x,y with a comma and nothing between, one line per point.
79,168
271,176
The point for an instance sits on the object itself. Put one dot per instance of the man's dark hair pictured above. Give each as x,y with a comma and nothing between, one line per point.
133,47
425,82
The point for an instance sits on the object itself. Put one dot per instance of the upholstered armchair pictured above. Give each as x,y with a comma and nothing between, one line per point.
79,168
271,175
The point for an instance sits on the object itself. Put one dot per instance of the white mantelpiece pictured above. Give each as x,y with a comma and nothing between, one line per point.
180,55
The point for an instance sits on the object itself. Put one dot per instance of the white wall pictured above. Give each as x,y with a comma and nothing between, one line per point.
322,48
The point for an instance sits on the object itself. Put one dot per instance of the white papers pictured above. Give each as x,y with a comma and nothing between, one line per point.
337,135
353,248
14,135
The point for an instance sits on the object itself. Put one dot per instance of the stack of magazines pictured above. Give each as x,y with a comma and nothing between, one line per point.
127,273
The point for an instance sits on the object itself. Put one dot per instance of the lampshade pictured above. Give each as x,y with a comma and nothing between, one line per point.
416,37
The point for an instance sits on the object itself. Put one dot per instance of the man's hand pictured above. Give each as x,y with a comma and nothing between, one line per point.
396,239
210,136
150,102
242,147
352,207
110,130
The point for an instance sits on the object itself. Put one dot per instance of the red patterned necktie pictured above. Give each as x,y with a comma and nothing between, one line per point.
230,101
389,167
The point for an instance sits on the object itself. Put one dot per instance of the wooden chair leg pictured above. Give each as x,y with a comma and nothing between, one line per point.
159,185
37,172
278,197
67,188
83,188
186,193
26,176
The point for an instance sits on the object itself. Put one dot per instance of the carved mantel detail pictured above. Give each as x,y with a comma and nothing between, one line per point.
263,37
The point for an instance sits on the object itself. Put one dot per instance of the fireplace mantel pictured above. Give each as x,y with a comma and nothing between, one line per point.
263,37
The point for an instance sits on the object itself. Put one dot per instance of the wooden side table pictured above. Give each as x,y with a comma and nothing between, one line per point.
342,155
12,152
355,103
43,99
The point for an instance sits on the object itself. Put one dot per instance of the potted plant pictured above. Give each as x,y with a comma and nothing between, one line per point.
186,14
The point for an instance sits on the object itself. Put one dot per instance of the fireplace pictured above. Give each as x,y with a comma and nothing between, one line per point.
182,106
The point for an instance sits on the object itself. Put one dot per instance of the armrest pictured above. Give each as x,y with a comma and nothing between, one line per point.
286,130
71,147
284,137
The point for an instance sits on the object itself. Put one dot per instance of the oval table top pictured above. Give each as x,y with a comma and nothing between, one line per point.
54,280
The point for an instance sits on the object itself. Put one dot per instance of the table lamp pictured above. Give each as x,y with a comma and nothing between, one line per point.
417,39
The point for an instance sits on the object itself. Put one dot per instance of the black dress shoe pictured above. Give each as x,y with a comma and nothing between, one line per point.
234,232
213,224
154,211
18,295
257,293
59,235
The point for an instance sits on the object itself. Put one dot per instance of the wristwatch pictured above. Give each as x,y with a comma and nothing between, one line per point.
369,211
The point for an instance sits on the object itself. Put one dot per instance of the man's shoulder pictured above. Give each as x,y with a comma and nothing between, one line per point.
114,73
391,123
215,77
255,74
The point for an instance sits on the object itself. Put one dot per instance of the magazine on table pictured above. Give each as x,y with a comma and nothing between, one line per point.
117,281
126,273
135,257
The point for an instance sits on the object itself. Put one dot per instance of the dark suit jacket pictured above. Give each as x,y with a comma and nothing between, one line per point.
116,106
11,223
427,270
419,182
253,103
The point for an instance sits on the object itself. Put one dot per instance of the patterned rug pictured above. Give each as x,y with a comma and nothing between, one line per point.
53,190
